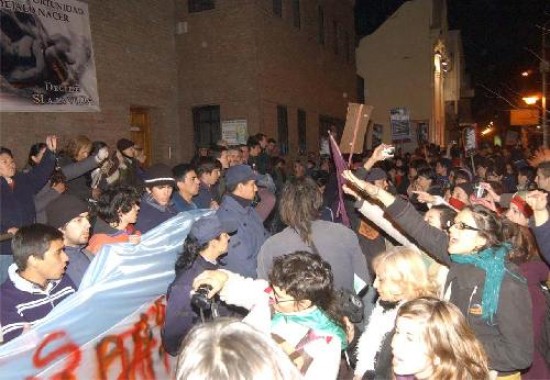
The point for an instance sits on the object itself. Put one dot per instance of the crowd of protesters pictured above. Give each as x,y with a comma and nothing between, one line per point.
440,274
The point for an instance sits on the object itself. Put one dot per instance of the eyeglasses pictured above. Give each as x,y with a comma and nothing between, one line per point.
463,226
275,299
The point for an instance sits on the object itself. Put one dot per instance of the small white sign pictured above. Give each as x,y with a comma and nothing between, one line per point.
235,132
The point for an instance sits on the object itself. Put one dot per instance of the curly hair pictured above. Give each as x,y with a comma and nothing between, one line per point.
76,144
115,201
455,351
306,276
406,268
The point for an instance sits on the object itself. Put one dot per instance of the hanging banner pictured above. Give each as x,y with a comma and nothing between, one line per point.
400,125
111,327
47,62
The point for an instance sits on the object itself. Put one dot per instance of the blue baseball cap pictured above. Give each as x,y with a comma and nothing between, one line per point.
238,174
210,227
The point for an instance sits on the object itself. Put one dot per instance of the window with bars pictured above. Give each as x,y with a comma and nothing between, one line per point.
206,125
282,129
200,5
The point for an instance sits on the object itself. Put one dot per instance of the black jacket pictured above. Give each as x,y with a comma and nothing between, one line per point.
508,341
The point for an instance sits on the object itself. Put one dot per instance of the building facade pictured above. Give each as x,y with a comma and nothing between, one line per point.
413,63
171,73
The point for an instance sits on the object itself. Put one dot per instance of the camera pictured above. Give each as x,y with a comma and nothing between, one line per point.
389,151
479,191
200,298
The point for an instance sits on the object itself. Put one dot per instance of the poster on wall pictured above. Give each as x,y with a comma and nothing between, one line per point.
47,62
422,132
235,132
400,125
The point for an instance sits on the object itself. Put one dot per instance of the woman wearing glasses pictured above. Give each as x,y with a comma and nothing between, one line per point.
296,306
488,289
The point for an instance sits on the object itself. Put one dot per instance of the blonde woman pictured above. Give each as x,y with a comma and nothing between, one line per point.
401,275
433,341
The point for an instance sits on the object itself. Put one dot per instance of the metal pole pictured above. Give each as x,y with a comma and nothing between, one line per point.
544,67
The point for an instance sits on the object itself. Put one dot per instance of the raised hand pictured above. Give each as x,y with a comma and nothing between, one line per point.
51,142
538,200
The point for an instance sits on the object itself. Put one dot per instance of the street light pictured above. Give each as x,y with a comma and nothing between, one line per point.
530,100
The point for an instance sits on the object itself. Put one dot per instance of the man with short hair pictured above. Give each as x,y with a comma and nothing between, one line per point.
236,208
69,215
36,282
209,172
187,184
543,176
156,205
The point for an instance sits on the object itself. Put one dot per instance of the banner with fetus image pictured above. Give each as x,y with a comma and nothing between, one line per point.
47,62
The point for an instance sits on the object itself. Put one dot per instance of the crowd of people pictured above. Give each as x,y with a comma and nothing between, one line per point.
440,274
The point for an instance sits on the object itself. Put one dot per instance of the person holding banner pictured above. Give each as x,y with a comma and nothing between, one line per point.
207,240
37,281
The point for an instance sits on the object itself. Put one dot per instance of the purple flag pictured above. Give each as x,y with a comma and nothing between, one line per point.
340,165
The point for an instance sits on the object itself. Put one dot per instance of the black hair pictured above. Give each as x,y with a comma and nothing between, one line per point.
206,165
181,170
529,172
427,173
217,150
306,276
96,146
114,201
35,149
446,216
252,142
191,250
33,240
4,150
489,225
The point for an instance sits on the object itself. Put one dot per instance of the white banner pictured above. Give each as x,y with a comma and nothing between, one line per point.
47,62
110,328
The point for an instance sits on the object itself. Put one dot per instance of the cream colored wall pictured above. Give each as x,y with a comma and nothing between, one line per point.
396,63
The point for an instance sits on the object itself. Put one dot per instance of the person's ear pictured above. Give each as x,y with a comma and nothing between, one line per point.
148,190
480,241
304,304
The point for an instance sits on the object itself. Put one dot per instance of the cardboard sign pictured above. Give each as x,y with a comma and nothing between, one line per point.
357,120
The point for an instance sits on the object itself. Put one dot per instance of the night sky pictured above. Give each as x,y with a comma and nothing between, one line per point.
496,37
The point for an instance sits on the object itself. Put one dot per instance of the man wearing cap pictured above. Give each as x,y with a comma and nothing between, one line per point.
69,215
236,208
207,240
156,205
129,168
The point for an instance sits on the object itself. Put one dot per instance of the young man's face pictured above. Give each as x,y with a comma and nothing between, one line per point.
52,266
255,150
7,166
161,193
247,190
224,159
542,181
77,231
190,183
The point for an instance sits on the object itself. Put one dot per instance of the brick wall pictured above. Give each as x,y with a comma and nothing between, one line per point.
134,54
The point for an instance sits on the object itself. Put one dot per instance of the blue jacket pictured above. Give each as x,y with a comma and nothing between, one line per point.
542,234
17,206
245,244
180,315
151,214
181,204
79,262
